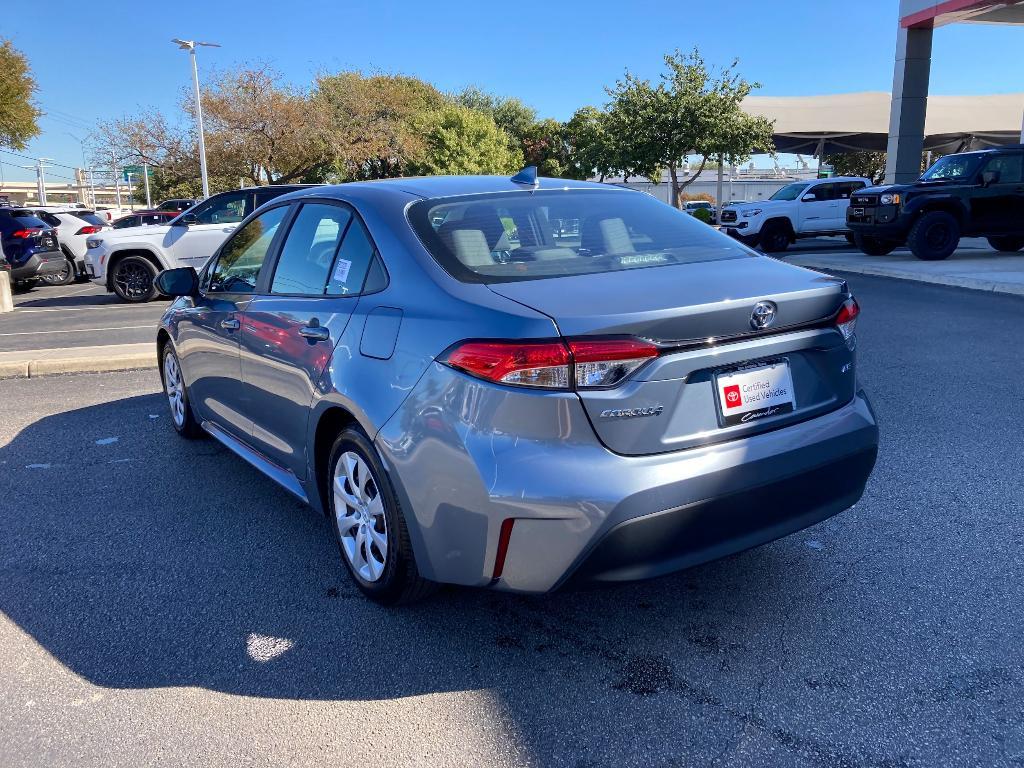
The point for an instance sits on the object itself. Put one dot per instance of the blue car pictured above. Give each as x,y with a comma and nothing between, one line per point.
519,383
28,245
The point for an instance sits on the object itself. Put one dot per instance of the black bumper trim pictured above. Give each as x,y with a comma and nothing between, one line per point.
665,542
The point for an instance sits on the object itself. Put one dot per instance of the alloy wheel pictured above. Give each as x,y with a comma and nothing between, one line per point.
133,279
175,389
359,511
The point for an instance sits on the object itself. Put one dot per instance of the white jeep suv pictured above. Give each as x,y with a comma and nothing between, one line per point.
127,261
801,209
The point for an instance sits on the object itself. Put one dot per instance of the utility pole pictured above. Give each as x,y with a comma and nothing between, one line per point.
145,178
190,46
117,187
40,178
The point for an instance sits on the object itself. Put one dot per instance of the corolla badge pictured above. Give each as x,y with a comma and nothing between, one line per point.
763,315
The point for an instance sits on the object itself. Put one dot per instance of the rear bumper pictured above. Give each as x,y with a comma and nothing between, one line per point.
465,456
39,264
665,542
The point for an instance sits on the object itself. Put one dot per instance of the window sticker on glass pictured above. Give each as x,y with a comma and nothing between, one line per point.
341,271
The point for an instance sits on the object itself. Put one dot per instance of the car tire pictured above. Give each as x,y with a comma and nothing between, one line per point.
133,279
365,513
1006,243
65,277
774,237
748,240
934,236
873,246
182,418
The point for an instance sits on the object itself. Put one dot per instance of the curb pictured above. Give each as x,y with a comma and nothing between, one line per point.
30,369
953,281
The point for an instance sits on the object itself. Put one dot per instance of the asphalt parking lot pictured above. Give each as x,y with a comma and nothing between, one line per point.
163,603
80,314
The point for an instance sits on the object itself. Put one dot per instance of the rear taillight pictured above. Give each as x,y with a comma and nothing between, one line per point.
88,230
23,233
575,363
846,320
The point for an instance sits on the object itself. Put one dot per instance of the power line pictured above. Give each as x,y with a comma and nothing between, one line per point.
34,159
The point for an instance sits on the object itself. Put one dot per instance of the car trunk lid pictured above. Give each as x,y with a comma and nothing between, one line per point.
700,314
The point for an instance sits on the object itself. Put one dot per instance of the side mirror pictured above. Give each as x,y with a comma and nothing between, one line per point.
809,198
989,177
182,281
186,220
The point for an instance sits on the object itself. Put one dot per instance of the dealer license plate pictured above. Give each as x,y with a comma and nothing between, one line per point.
752,394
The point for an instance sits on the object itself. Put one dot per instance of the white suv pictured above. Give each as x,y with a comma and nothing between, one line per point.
73,226
126,261
801,209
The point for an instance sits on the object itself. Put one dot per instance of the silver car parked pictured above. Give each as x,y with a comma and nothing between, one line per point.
520,383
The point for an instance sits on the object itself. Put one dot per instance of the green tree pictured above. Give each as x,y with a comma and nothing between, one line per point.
371,121
589,145
544,145
18,113
693,110
458,140
870,165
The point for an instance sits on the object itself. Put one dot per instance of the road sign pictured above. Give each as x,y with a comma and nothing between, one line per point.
135,171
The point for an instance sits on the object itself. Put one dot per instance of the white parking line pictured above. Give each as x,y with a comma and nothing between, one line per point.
79,330
101,307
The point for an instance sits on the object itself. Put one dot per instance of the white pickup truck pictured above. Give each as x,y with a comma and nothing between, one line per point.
801,209
127,261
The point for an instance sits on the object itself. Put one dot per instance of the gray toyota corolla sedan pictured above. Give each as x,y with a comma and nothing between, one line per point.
519,383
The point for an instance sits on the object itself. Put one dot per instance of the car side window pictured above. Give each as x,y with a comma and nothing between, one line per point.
822,192
847,188
354,259
238,266
229,208
308,251
1009,167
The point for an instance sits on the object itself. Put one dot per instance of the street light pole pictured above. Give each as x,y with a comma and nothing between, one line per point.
190,46
40,178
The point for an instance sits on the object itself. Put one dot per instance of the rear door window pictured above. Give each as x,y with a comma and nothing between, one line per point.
90,218
353,262
1008,166
308,251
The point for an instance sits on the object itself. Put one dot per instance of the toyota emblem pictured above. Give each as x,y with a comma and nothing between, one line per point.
763,315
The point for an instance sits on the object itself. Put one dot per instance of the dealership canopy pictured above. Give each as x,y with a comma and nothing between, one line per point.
851,122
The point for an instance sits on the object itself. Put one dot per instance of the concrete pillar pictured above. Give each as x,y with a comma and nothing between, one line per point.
6,300
909,104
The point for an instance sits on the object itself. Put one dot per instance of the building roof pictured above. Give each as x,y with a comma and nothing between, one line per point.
860,121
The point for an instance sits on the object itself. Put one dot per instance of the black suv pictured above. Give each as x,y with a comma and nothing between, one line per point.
973,194
28,245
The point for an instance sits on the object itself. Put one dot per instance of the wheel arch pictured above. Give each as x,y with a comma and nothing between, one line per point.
329,425
782,221
117,256
163,338
948,205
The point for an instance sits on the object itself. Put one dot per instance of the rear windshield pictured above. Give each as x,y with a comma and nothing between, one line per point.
90,217
494,238
29,220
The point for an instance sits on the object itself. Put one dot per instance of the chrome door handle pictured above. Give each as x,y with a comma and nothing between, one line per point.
230,324
314,332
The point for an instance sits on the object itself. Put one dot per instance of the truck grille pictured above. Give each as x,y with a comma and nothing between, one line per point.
862,200
728,215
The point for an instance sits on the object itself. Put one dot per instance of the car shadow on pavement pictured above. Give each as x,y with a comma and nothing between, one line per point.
141,560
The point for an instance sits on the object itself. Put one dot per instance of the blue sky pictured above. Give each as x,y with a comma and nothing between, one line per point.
557,55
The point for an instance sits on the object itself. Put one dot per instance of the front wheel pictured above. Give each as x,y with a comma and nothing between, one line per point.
369,525
133,279
774,238
177,395
1006,244
64,277
934,236
873,246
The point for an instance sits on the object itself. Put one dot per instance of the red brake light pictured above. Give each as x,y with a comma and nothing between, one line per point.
23,233
530,364
88,230
586,363
846,319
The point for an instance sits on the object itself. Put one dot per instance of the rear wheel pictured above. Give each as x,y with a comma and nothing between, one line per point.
177,395
934,236
1006,244
774,237
133,279
64,277
873,246
369,525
